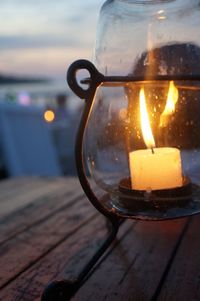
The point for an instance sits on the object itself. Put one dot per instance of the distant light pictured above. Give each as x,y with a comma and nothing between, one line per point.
162,17
49,116
160,11
24,99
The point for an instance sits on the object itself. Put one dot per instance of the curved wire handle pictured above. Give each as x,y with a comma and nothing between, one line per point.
96,79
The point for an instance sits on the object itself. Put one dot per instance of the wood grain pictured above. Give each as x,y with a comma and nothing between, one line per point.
39,208
183,280
27,192
19,253
64,261
134,268
49,230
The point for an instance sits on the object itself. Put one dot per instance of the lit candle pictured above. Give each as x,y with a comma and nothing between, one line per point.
154,168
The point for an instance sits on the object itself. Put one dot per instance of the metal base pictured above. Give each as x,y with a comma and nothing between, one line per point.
64,290
61,290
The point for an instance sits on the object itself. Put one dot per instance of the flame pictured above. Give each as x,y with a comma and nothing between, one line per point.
172,99
145,123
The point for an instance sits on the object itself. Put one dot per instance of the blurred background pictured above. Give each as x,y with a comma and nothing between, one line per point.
38,113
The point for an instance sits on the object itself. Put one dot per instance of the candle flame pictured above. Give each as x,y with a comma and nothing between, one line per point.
145,123
172,99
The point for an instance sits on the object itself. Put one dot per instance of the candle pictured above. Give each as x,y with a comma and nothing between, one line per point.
154,168
158,170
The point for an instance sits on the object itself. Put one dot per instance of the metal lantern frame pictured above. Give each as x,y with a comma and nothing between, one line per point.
64,290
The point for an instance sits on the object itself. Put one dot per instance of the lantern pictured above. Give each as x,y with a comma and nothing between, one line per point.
140,130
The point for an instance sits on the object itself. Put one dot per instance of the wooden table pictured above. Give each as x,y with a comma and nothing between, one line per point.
49,230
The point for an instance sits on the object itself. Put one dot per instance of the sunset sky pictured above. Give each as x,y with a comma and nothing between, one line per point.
42,37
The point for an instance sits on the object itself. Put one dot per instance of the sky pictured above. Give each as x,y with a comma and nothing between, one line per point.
42,37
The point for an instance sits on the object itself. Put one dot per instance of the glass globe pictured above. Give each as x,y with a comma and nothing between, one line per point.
136,36
142,142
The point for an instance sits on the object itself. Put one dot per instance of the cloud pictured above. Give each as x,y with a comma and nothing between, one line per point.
52,62
42,41
40,37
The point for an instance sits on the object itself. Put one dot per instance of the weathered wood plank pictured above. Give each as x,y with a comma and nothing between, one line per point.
56,235
26,194
12,186
19,253
183,280
66,260
134,269
39,208
10,198
9,184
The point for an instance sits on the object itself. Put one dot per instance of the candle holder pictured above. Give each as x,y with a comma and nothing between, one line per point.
121,201
140,131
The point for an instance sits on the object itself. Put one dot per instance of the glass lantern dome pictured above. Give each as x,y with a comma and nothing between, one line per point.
142,140
156,36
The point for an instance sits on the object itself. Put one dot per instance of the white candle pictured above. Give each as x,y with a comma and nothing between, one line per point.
154,168
158,170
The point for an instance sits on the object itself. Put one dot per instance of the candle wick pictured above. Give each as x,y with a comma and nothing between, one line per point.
152,150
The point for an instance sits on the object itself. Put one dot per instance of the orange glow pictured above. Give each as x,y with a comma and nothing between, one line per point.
145,123
49,116
172,99
123,114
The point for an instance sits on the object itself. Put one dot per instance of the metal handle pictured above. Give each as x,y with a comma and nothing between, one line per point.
96,78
